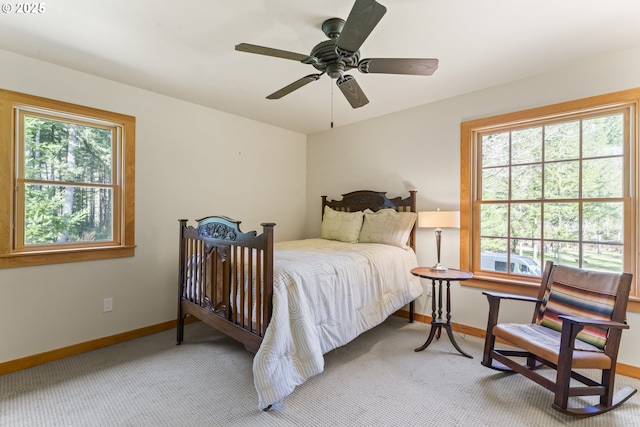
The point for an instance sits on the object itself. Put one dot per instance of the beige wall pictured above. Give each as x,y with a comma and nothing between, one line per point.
419,148
190,162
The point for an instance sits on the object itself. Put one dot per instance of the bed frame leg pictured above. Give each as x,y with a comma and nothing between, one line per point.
180,330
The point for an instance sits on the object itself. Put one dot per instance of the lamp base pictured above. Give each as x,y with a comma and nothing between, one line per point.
438,267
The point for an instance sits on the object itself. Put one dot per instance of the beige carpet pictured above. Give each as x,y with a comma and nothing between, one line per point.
377,380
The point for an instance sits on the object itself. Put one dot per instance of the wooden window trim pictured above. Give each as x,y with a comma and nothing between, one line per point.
468,131
9,256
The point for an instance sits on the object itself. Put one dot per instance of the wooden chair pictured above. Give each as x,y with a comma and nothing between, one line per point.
577,324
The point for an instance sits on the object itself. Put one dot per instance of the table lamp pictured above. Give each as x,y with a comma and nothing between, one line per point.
439,220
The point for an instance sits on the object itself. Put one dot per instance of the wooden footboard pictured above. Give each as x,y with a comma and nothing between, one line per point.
226,278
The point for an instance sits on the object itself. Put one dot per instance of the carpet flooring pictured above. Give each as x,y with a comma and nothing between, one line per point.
376,380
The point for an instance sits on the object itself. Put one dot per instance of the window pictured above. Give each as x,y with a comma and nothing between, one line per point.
555,183
67,182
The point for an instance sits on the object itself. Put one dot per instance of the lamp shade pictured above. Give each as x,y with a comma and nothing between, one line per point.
439,219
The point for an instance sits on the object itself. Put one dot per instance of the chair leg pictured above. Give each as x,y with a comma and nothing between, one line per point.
532,362
561,397
608,401
608,377
490,339
489,344
565,358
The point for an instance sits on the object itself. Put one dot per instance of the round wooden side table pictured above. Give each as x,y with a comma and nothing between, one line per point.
437,322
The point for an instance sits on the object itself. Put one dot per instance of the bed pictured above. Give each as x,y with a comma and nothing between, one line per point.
292,302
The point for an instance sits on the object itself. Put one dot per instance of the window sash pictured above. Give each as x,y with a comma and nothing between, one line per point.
122,185
20,240
625,102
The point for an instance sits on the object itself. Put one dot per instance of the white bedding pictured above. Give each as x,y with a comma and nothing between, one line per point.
326,293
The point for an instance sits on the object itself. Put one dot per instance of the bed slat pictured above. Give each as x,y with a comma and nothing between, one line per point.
222,278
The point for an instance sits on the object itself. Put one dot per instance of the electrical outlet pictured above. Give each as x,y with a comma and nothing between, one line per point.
108,304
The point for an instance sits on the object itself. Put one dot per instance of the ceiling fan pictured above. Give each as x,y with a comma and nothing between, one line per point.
341,53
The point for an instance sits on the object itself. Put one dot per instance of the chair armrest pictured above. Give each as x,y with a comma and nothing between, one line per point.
502,295
594,322
495,298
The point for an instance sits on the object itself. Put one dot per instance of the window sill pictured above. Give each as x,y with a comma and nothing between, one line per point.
26,259
526,289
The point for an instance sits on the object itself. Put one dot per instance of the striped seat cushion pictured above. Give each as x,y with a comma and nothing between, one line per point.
574,300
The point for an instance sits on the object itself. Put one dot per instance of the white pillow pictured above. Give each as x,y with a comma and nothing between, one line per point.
342,226
387,226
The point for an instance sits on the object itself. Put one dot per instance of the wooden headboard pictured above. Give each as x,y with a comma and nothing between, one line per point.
374,200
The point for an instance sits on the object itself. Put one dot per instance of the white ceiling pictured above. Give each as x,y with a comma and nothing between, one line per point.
185,49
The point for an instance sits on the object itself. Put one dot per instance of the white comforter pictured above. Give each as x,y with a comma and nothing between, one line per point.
325,294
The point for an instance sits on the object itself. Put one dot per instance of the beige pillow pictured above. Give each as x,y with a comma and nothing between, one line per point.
342,226
387,226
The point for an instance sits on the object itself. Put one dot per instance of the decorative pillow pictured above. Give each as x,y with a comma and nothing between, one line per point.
342,226
566,298
387,226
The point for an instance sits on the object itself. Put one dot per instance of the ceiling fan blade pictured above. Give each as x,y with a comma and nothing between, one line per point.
415,66
293,86
351,90
261,50
362,19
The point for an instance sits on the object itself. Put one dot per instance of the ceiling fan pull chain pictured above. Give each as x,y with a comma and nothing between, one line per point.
331,105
